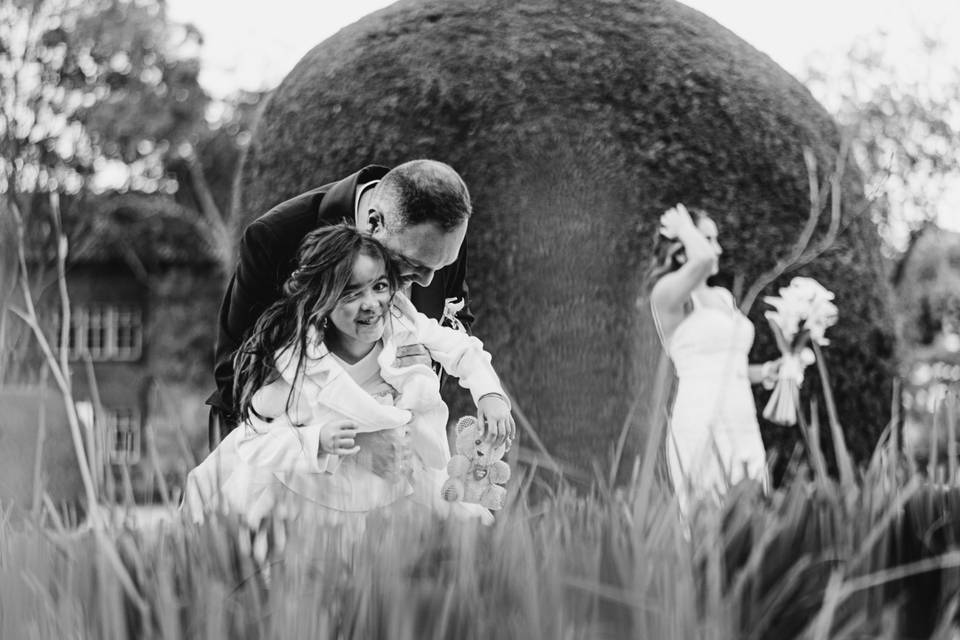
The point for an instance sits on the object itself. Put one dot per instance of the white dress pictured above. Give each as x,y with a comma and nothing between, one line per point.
714,438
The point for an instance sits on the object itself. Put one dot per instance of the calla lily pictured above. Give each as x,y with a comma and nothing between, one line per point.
802,313
451,307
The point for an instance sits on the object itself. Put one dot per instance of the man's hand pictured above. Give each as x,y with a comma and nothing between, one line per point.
387,453
338,438
493,414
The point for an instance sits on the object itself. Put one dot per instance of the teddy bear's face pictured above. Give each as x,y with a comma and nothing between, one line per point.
472,444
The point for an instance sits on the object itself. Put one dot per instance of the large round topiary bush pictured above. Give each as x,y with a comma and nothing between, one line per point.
575,125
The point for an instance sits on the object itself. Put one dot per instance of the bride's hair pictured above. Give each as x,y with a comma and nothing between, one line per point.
325,262
668,254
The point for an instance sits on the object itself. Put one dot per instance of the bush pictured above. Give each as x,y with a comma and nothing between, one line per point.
575,125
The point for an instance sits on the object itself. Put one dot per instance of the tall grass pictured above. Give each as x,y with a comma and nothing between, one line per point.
875,554
808,560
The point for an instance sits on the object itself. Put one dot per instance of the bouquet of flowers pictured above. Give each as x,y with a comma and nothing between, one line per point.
803,312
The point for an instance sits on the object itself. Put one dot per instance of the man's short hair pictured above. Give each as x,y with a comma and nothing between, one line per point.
427,191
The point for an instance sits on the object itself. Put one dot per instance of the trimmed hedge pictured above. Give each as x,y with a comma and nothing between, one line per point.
575,125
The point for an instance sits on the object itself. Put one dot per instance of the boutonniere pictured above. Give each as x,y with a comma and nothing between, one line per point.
451,307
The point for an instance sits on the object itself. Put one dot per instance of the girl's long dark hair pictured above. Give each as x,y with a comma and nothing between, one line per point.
667,253
325,262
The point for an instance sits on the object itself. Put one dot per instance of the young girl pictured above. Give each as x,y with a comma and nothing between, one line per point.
342,357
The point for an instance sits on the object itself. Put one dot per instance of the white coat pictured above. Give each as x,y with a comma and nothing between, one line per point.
261,460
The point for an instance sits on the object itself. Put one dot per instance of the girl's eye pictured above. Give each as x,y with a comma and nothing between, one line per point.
380,287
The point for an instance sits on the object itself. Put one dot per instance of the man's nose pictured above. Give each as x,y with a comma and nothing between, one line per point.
422,277
425,279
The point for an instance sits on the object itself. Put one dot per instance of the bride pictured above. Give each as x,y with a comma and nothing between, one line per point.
714,438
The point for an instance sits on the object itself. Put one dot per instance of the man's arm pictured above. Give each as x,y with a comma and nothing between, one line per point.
460,355
254,286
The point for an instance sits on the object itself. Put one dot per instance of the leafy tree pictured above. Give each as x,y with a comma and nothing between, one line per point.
95,93
206,166
100,103
104,95
903,121
901,112
93,96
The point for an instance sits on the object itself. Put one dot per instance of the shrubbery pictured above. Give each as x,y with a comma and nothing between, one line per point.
575,125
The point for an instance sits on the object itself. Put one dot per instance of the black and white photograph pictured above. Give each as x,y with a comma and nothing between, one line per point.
527,319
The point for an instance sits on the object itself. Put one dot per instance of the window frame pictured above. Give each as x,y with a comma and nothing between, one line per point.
108,321
130,453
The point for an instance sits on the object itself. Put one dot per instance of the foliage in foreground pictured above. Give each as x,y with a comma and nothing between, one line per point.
815,559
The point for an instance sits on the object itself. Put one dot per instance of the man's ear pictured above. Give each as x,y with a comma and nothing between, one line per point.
374,221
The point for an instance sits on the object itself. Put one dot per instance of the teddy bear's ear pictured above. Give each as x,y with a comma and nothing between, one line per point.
466,422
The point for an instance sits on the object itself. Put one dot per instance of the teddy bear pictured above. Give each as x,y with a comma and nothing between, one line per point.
476,473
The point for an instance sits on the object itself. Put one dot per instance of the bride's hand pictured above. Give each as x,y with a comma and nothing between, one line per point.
674,220
769,372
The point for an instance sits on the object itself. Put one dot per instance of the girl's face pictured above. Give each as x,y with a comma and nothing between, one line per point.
359,318
709,230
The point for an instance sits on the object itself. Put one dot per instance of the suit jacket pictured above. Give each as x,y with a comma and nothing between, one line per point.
246,466
268,251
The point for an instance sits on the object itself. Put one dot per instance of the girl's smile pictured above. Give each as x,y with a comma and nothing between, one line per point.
359,319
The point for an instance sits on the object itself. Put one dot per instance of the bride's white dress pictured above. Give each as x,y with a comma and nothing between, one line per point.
714,438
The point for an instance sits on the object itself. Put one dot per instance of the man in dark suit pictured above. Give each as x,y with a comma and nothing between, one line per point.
419,210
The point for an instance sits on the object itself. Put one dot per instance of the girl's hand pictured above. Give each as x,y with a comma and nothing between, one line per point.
338,438
674,220
493,413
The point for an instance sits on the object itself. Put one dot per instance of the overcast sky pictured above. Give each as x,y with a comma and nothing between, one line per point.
252,44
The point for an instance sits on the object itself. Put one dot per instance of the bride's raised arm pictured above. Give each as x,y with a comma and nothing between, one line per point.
697,260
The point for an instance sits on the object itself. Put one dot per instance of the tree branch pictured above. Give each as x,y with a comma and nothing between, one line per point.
218,230
62,286
801,253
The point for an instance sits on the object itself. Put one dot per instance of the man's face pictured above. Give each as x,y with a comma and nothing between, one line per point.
421,249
